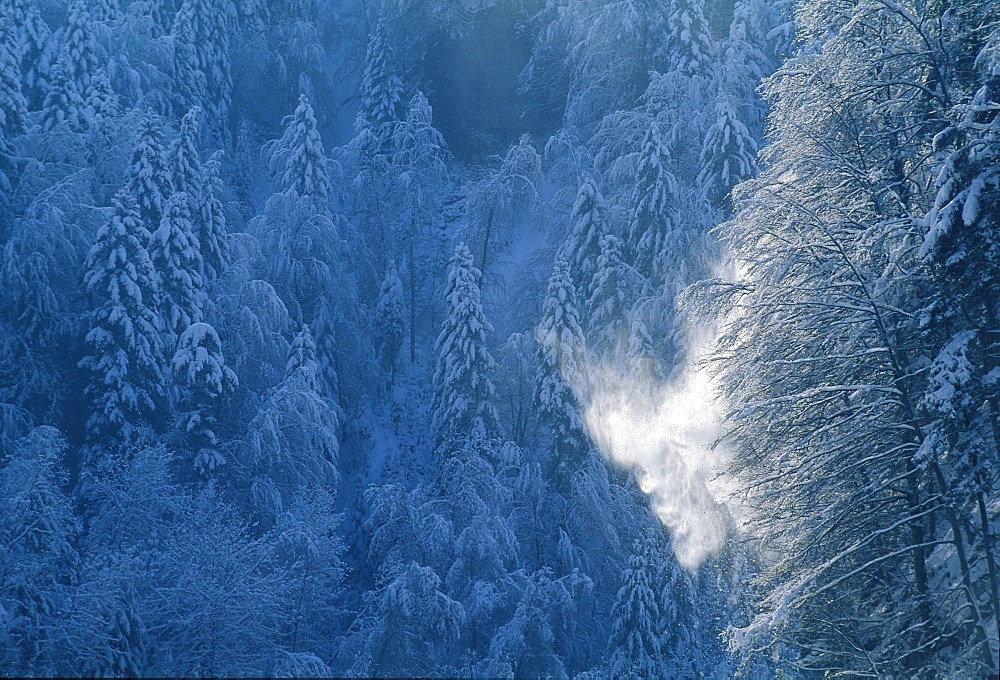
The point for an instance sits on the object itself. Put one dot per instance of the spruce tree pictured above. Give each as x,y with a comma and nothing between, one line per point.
691,49
635,633
583,248
148,175
37,56
184,162
381,89
389,324
609,303
177,257
64,103
201,371
463,372
654,200
561,370
13,106
729,153
124,337
210,227
298,158
79,48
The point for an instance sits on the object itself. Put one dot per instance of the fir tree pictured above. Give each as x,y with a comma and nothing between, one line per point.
79,49
691,48
13,106
560,371
635,634
728,155
654,205
381,89
298,158
463,373
148,175
184,162
191,83
64,104
389,324
201,370
211,225
124,337
583,248
609,302
211,23
101,102
177,257
302,358
37,56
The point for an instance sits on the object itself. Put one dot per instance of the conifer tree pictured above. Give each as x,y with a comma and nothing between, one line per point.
654,205
298,159
211,23
202,372
381,89
124,336
79,48
302,358
191,84
100,101
211,225
635,634
148,175
13,106
177,257
612,292
560,371
389,324
37,56
583,248
184,162
463,372
729,153
64,104
691,48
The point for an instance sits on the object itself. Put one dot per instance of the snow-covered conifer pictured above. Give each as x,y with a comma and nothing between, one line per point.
210,227
37,56
654,199
463,372
389,324
583,247
79,48
635,634
124,336
13,106
201,370
64,103
302,358
298,159
148,175
729,153
177,257
611,293
381,88
211,22
190,80
560,371
100,101
184,162
691,49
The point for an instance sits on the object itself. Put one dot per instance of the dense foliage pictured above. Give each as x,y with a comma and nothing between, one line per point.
343,338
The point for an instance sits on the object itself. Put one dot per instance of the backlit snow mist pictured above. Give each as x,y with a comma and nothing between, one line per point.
665,432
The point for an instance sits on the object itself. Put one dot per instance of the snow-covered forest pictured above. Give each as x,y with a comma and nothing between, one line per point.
506,338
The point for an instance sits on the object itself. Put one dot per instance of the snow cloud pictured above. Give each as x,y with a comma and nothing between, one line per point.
665,431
